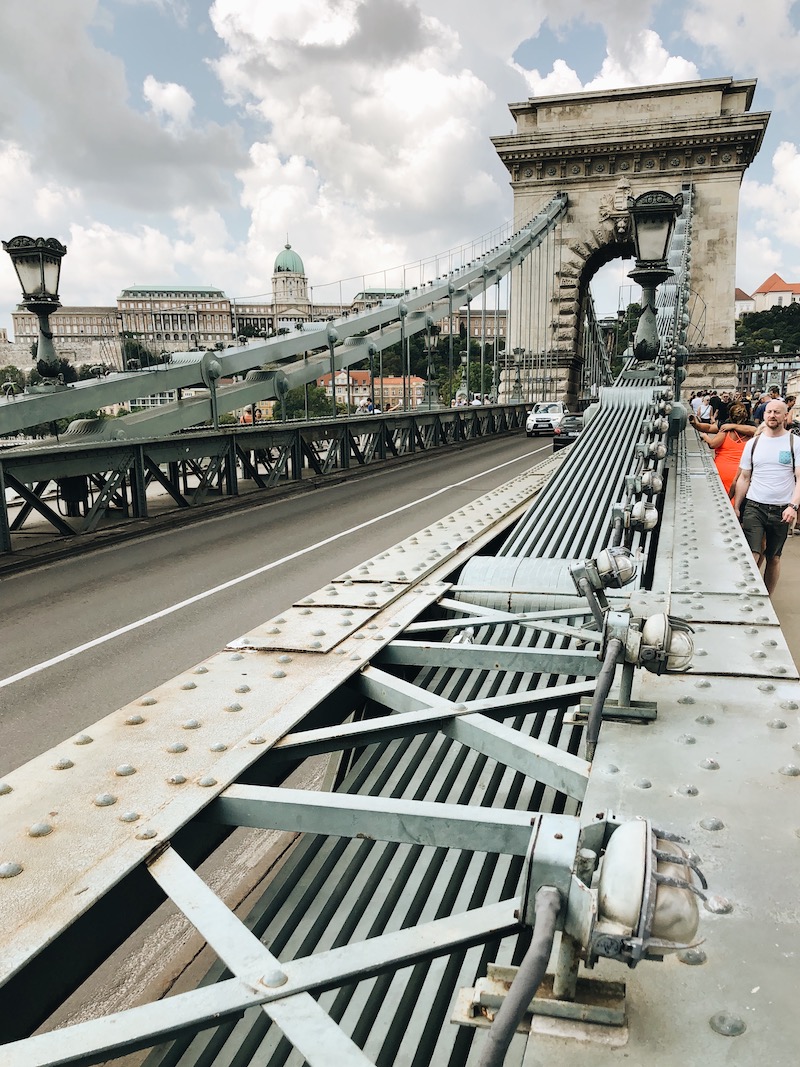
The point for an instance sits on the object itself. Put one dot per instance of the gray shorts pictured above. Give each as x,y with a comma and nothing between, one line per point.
762,524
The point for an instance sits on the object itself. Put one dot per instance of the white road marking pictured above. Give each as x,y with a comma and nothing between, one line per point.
131,626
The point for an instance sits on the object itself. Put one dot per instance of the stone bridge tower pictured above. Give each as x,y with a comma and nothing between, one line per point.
598,148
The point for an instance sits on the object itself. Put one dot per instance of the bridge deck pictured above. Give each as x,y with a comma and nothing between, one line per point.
718,766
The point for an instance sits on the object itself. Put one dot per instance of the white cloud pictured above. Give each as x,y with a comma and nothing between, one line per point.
771,221
170,102
637,59
759,39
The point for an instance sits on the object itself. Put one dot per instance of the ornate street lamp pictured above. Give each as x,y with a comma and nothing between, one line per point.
430,398
653,218
462,393
37,261
516,396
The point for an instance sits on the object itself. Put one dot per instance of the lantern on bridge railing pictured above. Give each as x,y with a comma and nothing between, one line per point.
653,216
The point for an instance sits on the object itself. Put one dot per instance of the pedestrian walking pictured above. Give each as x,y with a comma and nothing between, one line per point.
728,444
767,493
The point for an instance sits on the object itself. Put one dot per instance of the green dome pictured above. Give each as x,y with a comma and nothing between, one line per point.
288,261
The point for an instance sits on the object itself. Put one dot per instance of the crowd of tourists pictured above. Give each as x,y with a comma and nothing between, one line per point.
758,461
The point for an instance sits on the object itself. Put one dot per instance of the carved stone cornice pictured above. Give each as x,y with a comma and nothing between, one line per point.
603,135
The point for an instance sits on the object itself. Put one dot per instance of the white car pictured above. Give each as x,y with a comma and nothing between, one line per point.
545,416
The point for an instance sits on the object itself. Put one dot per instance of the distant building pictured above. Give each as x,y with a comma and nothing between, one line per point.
175,318
80,334
775,292
389,391
743,304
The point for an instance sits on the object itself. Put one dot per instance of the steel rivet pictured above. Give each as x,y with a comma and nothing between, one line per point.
40,829
643,783
702,684
129,816
727,1025
82,739
686,700
146,835
242,689
176,779
200,670
177,746
5,788
709,764
273,630
189,685
63,764
236,655
686,739
758,655
315,644
712,823
258,740
233,707
612,768
134,720
789,705
274,979
693,957
191,724
104,800
147,702
766,687
777,670
206,781
776,724
218,746
705,720
790,770
10,870
687,790
124,770
279,674
317,633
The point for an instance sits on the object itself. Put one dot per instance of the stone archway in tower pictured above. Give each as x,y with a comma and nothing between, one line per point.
601,147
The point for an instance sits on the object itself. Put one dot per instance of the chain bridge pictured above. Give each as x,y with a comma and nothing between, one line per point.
554,734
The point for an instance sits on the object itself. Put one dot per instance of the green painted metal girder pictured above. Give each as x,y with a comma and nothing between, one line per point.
491,657
310,1029
208,1006
303,744
347,815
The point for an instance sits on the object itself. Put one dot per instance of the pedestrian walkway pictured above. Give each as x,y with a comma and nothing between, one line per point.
786,598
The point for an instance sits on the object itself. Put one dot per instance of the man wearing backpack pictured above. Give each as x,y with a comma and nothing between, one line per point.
768,490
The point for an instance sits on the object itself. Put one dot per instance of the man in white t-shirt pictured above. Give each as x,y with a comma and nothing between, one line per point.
768,490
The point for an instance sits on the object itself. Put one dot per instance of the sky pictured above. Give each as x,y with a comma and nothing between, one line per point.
183,142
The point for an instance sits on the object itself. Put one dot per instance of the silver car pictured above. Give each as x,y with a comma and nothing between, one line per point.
544,417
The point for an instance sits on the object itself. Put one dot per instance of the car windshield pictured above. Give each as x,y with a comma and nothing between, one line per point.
544,409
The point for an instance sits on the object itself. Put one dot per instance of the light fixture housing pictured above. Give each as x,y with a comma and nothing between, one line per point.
37,261
653,216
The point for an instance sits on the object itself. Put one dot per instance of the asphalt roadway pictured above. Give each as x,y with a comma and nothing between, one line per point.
257,561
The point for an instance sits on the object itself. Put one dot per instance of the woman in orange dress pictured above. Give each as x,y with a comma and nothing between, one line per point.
728,445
